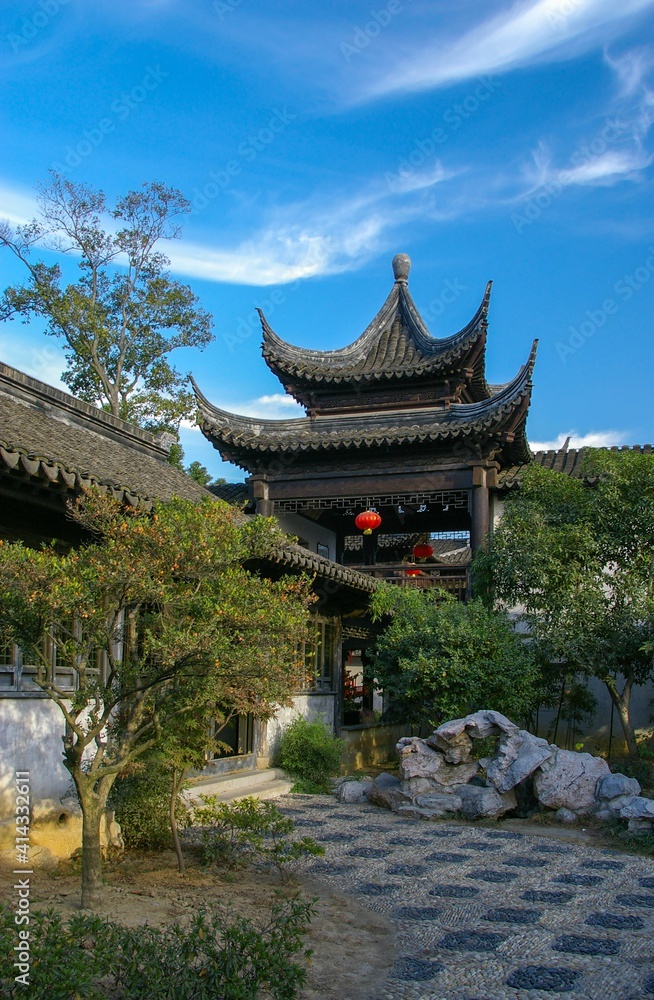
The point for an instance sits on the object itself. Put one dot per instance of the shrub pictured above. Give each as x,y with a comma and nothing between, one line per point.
88,957
66,959
309,751
141,800
250,831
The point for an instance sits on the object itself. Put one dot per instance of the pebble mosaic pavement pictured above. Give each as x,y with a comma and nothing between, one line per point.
489,914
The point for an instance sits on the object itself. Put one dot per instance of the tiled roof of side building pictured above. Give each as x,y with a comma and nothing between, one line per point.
569,461
70,445
236,493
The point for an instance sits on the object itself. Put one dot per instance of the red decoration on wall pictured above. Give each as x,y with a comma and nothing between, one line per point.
367,521
423,551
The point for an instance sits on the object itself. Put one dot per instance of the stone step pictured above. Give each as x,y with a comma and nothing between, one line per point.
265,783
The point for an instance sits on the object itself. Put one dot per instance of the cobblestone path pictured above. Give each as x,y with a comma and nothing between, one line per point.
488,914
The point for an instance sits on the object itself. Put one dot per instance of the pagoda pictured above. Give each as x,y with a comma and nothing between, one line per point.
399,422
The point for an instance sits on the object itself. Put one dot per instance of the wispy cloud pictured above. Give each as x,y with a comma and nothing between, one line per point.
594,439
276,406
526,33
318,236
30,355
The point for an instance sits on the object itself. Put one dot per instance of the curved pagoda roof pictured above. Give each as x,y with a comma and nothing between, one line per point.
498,420
396,347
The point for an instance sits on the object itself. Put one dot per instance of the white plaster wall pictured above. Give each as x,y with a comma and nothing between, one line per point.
32,730
302,527
599,726
312,707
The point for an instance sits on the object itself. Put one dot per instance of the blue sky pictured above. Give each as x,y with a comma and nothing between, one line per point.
315,141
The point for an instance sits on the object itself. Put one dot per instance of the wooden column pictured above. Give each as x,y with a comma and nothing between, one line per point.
260,492
479,508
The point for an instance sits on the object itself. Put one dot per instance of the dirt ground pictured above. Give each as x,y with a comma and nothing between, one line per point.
353,947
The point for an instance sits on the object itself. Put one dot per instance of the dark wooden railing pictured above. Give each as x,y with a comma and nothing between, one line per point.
421,577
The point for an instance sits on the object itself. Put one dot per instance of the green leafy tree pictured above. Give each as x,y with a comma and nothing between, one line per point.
122,318
440,659
576,558
201,475
151,617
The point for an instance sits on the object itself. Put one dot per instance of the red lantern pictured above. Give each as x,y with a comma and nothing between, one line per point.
367,521
423,551
412,572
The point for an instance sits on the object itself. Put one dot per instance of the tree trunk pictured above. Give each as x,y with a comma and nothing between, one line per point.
622,700
178,780
93,806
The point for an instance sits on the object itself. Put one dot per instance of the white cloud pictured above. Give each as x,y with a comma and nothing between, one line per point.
609,168
42,361
16,205
276,406
594,439
523,34
311,238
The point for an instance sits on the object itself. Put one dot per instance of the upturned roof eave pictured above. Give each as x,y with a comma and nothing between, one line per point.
298,365
304,434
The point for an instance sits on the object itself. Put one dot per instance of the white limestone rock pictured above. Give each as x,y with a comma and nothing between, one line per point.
353,791
566,816
433,806
386,791
478,726
484,803
640,825
568,780
518,755
456,749
637,807
614,785
417,760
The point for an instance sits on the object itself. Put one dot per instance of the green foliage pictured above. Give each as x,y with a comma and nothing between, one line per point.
193,627
249,831
201,475
310,752
440,659
67,958
124,316
141,800
212,957
578,558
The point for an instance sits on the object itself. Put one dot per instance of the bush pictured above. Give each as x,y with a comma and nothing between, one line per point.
141,800
310,752
88,957
66,959
250,831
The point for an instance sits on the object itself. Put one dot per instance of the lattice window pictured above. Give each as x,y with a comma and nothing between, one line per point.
319,654
350,505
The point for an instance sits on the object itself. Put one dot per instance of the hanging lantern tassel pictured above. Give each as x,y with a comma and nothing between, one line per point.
367,521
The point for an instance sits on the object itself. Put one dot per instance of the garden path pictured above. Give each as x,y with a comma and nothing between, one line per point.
486,913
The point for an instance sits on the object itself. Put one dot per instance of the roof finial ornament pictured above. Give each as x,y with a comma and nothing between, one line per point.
401,267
